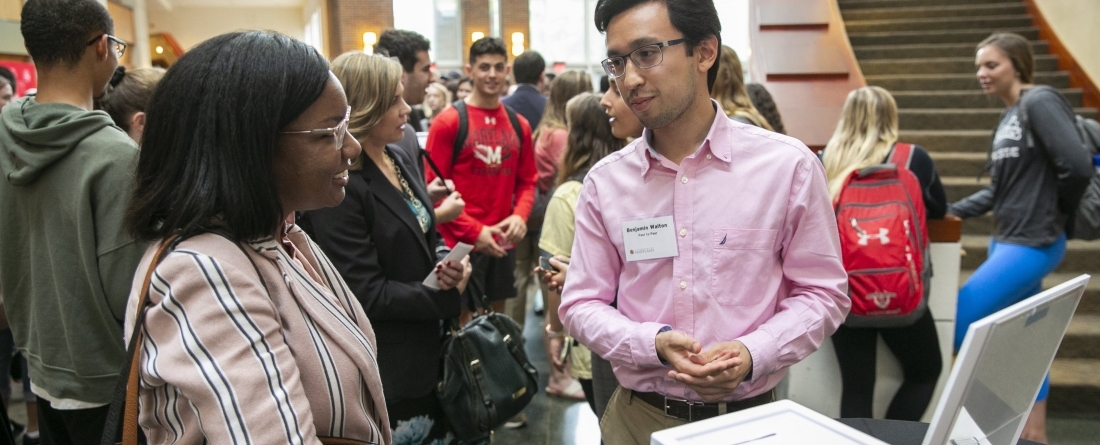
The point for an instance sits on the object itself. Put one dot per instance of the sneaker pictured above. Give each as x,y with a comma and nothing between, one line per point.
17,429
517,421
29,440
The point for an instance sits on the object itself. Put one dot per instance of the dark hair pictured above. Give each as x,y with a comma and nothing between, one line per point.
590,137
695,19
57,31
9,77
605,83
487,45
762,100
211,133
403,45
1017,49
131,95
528,67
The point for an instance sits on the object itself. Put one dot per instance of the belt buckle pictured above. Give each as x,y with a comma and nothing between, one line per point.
690,406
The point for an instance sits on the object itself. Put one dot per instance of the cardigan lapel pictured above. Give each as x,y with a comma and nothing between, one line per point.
342,319
394,200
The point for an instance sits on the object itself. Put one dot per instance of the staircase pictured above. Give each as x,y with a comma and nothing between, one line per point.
923,52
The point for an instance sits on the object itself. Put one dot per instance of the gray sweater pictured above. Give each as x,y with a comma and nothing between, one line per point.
1035,187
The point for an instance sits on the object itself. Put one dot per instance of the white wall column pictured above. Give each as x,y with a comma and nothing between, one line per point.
140,55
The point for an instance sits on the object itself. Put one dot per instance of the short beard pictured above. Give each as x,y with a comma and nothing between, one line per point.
674,110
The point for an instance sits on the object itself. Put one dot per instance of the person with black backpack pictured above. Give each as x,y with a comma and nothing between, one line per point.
873,216
485,148
1039,169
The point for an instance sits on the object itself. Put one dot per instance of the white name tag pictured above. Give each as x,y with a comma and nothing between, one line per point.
647,239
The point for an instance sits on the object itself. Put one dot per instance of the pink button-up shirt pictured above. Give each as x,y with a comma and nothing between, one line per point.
759,257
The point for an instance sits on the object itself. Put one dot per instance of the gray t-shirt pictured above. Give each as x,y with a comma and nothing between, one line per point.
1034,189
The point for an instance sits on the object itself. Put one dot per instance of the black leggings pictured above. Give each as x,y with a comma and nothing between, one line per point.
917,347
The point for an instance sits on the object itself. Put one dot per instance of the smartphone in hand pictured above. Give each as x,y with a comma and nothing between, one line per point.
544,264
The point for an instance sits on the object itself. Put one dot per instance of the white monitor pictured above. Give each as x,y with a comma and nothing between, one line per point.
777,423
1001,367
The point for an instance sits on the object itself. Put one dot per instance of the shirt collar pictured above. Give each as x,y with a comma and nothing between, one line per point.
718,141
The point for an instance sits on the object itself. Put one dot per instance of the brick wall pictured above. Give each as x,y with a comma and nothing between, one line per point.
349,19
515,16
475,18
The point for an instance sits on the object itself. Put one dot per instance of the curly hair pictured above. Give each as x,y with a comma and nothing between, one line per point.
57,31
403,45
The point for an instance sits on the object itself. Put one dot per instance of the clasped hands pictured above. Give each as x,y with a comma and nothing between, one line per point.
714,373
511,229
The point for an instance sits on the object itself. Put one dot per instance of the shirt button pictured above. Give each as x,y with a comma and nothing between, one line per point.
709,156
684,179
683,285
683,232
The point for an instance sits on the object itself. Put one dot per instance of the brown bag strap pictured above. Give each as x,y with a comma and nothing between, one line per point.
130,420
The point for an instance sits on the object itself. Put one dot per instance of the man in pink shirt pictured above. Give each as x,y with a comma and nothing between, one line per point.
706,258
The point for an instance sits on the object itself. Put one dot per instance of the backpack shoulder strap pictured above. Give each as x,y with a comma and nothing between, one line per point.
1021,111
514,119
901,155
463,130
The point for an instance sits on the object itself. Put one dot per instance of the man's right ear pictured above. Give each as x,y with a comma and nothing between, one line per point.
469,69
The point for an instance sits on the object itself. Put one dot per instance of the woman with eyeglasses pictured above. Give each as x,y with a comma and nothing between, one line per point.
382,239
249,334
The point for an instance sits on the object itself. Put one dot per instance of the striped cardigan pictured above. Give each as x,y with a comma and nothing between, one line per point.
225,361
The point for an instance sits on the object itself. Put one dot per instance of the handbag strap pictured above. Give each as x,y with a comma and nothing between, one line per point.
125,402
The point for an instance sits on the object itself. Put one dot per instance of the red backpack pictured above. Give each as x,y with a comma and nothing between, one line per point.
884,241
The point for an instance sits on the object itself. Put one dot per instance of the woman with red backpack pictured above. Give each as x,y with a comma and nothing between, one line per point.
860,185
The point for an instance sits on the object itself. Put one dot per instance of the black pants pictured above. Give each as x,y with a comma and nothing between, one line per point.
70,426
917,347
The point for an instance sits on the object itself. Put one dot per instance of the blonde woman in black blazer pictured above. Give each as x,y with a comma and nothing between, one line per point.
382,239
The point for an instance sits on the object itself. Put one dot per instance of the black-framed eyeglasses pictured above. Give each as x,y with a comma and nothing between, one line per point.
644,57
337,132
120,46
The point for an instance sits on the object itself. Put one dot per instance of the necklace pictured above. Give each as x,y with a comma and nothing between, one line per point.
417,206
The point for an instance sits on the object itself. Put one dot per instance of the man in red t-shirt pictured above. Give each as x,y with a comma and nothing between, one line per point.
494,171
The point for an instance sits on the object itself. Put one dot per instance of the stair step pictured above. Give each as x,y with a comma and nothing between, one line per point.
946,141
925,11
959,187
938,23
964,99
851,5
1082,340
1090,301
955,164
971,36
1088,309
1074,386
1081,256
925,51
959,118
945,82
949,65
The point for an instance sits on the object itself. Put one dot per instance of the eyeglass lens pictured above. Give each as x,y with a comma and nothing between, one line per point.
645,57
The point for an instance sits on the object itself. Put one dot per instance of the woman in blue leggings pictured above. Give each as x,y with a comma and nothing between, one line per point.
1039,169
1011,273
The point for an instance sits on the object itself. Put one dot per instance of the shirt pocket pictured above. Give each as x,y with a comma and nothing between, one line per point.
740,259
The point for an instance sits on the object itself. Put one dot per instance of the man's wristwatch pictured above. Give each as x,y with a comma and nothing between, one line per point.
664,329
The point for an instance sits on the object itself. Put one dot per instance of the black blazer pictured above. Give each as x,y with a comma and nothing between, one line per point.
375,242
528,102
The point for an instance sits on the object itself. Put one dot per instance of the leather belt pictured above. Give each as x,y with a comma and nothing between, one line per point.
693,411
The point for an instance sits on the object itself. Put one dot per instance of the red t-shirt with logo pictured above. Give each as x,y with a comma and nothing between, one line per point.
495,171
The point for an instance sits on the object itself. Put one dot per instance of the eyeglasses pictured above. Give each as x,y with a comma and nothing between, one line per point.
120,46
645,57
337,132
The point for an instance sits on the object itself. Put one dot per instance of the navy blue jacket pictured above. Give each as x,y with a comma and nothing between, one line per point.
528,102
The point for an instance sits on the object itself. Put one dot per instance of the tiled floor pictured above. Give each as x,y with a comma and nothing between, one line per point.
556,421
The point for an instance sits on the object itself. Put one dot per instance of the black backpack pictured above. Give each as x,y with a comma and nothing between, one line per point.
1086,224
538,210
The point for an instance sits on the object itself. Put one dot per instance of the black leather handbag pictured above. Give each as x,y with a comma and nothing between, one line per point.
487,377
